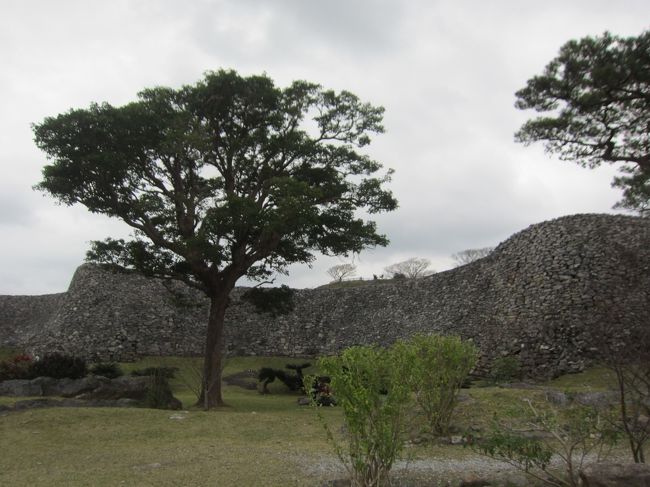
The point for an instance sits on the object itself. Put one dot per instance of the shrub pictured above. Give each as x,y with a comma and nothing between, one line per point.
319,390
17,367
368,383
574,436
439,367
505,369
159,394
60,366
629,358
166,372
110,370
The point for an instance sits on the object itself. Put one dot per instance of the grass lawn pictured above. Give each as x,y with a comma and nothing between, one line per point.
259,440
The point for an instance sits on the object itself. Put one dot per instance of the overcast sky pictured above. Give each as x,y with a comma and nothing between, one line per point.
446,72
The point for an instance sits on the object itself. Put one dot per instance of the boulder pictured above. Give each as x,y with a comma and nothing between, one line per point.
20,388
556,397
134,388
89,392
597,399
615,475
122,387
68,387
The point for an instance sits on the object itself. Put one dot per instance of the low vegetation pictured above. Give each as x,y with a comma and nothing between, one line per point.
258,439
55,365
370,389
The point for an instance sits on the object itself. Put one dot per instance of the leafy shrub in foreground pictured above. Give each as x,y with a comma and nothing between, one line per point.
439,367
576,437
369,385
110,370
60,366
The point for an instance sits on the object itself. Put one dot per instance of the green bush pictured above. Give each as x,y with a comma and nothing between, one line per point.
505,369
16,367
110,370
576,436
60,366
158,394
439,367
369,386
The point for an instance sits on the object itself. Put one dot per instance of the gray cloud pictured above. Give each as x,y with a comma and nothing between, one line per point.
446,72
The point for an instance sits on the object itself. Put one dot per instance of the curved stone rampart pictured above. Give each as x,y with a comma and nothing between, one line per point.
22,317
540,295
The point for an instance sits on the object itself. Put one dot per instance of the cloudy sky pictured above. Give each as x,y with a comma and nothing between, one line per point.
446,72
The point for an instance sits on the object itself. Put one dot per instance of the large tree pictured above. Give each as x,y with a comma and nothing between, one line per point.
596,99
226,178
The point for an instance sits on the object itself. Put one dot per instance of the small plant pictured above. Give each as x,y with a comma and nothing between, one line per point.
505,369
440,366
629,358
17,367
60,366
370,388
110,370
320,390
576,435
159,394
166,372
190,374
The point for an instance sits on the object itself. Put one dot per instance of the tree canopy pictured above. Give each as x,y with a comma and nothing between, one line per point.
595,96
411,268
470,255
341,271
226,178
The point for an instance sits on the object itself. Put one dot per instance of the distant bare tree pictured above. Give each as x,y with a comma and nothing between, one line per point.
411,268
470,255
341,271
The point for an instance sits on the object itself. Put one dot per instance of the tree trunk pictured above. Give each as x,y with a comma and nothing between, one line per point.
213,357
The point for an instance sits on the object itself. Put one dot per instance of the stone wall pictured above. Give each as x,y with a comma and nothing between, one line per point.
538,296
22,317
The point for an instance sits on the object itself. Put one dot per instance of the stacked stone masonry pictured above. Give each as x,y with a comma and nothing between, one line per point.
544,295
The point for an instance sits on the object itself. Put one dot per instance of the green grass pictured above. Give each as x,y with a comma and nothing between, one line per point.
144,447
593,379
258,440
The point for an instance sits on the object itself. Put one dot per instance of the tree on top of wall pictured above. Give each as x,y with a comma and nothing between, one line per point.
341,271
410,268
470,255
226,178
